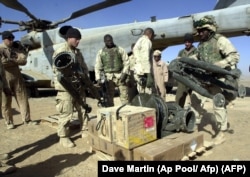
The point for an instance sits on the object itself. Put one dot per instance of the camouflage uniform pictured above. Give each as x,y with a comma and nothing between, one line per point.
218,50
160,75
65,104
142,53
183,93
11,59
114,62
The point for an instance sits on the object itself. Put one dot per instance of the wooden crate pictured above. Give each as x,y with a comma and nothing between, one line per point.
135,126
104,123
116,151
174,147
159,150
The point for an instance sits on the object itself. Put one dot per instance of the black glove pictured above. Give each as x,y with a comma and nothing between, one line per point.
150,81
123,77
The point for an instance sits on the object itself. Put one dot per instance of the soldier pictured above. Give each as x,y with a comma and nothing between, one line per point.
11,58
132,90
4,168
113,61
160,73
143,63
65,103
217,49
183,93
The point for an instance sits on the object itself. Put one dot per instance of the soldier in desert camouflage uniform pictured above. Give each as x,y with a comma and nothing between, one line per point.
216,49
113,61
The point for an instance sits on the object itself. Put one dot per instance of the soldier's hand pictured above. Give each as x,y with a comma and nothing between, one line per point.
7,91
123,77
221,64
150,80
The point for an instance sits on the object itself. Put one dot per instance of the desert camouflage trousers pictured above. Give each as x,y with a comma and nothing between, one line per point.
220,113
123,91
20,94
65,105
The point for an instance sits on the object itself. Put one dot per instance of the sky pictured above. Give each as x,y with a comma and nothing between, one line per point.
135,10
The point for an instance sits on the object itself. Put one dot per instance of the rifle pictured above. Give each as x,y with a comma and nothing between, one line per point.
104,100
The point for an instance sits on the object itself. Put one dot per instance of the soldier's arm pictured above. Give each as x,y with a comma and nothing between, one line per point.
98,65
125,60
146,55
228,51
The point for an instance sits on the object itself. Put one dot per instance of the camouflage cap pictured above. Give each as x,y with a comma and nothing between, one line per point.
208,22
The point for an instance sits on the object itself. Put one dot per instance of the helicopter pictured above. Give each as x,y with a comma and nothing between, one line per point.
44,37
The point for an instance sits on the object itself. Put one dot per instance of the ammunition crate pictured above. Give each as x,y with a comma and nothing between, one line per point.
135,126
128,126
105,124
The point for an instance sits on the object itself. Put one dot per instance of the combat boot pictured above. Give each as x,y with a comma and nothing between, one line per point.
6,169
30,122
66,142
220,138
10,126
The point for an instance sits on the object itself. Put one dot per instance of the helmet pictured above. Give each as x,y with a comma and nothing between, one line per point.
207,22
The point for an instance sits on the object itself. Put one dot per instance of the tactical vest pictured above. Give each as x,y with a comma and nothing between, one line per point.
208,50
111,60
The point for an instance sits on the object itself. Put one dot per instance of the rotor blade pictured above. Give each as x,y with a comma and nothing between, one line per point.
14,30
14,4
99,6
9,22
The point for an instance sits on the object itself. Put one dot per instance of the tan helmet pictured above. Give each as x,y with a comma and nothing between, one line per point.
207,22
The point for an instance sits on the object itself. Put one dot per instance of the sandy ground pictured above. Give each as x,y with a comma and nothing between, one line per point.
35,150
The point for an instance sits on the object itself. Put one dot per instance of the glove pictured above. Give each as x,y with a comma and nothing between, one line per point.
221,64
7,92
123,77
150,80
